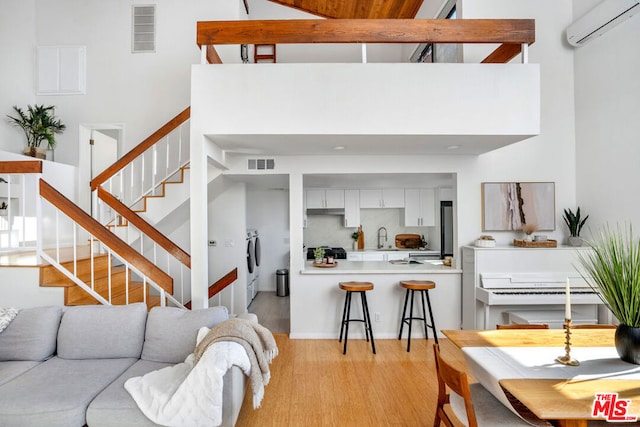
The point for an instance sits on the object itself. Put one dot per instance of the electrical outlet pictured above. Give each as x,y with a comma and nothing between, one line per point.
377,317
213,243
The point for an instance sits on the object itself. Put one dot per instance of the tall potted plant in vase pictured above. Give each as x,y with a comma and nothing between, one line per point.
612,269
575,224
39,124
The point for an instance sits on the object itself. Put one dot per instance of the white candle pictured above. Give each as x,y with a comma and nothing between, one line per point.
567,301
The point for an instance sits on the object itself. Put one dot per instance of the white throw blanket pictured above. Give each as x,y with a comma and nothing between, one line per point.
189,393
6,316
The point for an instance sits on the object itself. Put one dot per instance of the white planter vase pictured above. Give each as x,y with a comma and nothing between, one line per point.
575,241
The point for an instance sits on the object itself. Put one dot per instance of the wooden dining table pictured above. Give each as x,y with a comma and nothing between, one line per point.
520,365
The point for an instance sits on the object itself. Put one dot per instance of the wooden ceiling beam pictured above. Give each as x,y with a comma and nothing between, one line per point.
356,9
503,31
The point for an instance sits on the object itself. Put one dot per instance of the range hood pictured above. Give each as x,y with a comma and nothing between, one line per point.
325,211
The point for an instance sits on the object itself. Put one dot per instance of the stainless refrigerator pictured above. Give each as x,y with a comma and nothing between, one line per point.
446,228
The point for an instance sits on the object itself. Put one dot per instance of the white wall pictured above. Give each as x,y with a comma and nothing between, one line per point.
549,157
17,41
607,99
142,90
228,228
268,212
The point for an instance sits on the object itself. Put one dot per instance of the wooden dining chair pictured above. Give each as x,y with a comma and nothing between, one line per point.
524,326
487,411
593,326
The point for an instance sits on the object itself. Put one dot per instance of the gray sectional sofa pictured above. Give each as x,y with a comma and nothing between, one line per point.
66,366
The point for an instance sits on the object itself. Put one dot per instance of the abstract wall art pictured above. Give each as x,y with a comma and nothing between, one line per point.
507,206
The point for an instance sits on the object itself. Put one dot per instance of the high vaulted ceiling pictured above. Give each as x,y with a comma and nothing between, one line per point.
357,9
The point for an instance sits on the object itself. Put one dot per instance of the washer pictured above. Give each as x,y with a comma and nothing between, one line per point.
251,265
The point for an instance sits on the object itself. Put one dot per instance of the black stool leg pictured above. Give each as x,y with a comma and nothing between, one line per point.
363,301
344,315
404,313
410,321
367,320
433,324
346,335
424,314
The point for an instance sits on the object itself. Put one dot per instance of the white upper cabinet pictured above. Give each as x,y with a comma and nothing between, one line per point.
420,207
382,198
351,208
324,198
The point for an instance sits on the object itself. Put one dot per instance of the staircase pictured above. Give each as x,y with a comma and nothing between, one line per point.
124,288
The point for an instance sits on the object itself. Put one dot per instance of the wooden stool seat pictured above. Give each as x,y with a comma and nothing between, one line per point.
422,287
418,285
361,288
356,286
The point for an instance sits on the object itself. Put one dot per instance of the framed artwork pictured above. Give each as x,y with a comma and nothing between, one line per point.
506,206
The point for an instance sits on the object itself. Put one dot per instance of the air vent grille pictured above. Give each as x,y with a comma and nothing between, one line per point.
143,22
261,164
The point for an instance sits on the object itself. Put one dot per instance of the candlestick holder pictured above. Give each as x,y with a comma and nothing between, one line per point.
567,359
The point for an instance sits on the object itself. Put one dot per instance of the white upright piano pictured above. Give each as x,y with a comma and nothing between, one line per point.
526,284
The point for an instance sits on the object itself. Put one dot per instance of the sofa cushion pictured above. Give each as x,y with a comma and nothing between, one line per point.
115,407
171,332
31,335
57,392
14,368
102,332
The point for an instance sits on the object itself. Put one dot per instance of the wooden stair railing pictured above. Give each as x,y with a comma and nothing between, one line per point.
220,285
140,148
103,235
510,34
145,227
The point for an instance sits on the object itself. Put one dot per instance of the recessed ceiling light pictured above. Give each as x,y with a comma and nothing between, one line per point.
453,147
339,147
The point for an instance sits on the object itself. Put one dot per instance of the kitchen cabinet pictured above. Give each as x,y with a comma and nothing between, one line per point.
351,208
373,256
382,198
354,256
420,207
391,256
319,198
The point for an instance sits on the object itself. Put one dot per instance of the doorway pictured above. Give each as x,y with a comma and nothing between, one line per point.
107,147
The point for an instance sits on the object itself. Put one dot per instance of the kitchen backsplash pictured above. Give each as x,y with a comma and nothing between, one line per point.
329,229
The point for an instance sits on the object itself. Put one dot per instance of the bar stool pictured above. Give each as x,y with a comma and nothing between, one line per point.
423,287
361,288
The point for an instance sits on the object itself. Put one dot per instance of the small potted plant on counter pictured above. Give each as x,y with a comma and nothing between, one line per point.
318,254
575,225
354,236
39,124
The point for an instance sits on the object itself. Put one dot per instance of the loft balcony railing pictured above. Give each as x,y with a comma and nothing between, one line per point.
513,36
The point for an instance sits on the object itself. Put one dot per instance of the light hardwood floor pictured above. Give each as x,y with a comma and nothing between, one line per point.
314,384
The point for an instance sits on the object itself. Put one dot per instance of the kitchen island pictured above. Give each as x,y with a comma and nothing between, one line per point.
317,302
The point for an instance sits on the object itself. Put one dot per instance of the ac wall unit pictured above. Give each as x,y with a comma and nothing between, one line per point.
601,19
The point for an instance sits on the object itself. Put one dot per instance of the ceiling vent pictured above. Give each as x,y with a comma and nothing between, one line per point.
143,23
261,164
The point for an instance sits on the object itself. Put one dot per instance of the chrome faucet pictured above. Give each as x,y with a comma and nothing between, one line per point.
380,236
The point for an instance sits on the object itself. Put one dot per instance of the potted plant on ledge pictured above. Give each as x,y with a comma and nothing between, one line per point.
39,124
575,225
612,269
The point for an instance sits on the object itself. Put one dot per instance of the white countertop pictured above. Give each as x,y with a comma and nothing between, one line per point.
380,267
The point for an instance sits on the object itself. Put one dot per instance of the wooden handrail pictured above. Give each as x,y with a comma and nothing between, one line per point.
145,227
145,266
140,148
218,286
21,166
512,31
